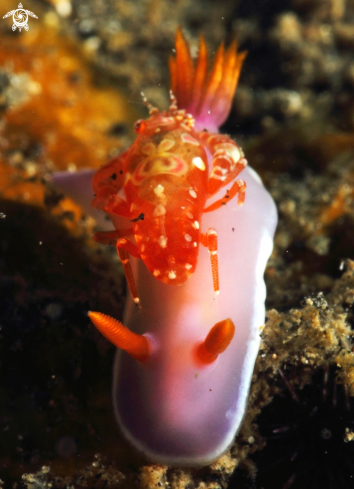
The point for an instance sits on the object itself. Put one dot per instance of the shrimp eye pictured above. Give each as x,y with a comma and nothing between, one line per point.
139,126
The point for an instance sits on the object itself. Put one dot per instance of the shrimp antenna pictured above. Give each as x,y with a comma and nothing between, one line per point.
152,109
173,102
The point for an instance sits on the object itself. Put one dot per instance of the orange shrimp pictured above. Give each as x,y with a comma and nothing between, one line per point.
165,174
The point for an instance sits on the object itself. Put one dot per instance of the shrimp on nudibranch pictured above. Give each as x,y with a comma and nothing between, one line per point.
166,176
185,361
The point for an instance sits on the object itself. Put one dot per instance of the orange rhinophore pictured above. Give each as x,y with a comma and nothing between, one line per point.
177,162
136,345
216,342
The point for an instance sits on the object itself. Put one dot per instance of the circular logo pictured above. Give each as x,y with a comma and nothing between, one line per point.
20,18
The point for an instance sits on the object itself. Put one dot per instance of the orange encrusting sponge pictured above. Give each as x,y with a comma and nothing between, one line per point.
218,339
137,346
206,94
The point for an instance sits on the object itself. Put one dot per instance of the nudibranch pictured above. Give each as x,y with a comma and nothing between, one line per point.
185,356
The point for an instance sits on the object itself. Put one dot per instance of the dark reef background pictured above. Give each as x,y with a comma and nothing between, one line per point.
69,94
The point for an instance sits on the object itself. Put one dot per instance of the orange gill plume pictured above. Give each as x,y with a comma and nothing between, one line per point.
137,346
216,342
206,93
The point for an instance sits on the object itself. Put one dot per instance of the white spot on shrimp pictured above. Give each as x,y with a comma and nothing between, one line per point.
223,171
188,266
234,151
190,215
159,189
195,244
172,274
198,162
159,210
156,273
195,225
235,154
162,241
193,193
218,177
188,237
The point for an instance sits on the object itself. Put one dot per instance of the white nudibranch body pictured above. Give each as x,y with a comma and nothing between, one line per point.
171,410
